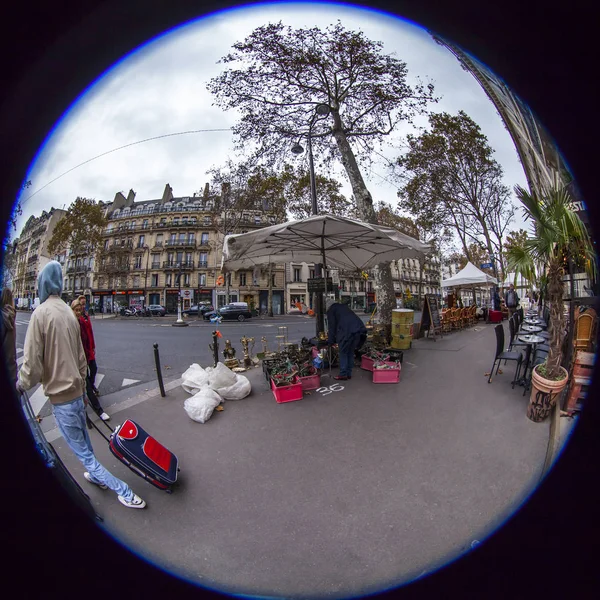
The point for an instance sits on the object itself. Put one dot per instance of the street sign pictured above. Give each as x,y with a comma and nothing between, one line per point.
186,294
316,285
486,266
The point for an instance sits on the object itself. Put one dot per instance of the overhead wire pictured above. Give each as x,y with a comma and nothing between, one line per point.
157,137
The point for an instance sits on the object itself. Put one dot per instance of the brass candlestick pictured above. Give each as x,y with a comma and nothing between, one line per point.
245,341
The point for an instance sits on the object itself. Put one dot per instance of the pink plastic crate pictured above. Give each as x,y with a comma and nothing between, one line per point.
287,393
366,363
387,375
311,382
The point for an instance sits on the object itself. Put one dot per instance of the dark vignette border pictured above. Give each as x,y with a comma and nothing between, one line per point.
52,51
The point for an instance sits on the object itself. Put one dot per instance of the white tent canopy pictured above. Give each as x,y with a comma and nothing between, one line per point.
336,241
470,277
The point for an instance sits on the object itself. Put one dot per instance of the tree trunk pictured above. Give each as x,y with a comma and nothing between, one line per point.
270,296
421,267
557,325
385,297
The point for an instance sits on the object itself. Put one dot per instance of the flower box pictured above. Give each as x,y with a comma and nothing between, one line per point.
287,393
391,375
310,382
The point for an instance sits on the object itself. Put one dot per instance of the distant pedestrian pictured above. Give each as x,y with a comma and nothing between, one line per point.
346,329
54,355
497,300
512,300
9,336
89,351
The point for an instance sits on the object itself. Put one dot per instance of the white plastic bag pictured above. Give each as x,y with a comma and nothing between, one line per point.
220,377
200,406
194,379
240,389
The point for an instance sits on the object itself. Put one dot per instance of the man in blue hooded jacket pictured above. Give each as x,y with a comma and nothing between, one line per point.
53,354
347,330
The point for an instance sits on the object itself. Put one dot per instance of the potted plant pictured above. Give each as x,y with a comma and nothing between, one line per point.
558,234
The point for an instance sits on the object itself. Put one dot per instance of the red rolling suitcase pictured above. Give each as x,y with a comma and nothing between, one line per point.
143,454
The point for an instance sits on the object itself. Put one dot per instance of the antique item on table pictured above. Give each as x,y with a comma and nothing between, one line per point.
245,341
265,347
229,353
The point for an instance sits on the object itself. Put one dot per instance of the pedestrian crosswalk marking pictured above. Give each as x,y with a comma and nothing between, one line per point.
129,382
38,399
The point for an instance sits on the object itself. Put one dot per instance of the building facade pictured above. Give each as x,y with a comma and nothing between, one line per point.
155,250
32,254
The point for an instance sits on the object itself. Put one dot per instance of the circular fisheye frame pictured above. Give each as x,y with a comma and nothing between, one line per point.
410,369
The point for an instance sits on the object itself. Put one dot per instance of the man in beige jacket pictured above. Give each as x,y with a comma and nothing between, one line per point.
53,354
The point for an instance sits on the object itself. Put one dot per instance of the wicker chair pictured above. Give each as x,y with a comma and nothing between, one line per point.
584,326
446,323
455,318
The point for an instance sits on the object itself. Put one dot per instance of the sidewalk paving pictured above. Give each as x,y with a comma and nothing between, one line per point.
337,494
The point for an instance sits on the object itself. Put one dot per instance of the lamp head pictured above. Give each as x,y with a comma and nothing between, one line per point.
322,109
297,149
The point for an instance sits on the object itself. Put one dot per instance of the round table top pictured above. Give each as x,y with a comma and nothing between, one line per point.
531,329
533,321
532,339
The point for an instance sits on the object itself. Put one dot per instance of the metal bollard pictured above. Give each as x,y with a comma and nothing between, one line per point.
158,371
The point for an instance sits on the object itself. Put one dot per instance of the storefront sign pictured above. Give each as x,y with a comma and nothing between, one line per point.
317,285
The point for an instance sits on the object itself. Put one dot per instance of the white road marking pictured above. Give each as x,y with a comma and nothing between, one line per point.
39,399
129,382
20,350
20,360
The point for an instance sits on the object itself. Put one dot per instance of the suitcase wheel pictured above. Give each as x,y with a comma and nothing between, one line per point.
169,491
178,469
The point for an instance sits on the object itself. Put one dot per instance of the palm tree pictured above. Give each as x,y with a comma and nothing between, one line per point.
559,234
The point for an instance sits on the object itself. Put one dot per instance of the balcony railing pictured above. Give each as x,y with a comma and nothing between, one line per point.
184,266
116,247
137,267
155,265
202,264
78,269
180,243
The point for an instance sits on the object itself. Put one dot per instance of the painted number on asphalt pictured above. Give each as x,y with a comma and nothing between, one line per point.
325,391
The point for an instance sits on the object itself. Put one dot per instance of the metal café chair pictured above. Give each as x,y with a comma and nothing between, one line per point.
512,328
502,354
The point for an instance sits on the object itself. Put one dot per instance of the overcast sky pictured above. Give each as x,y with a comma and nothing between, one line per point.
161,89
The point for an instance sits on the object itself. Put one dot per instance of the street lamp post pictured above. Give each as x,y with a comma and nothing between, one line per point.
320,110
180,322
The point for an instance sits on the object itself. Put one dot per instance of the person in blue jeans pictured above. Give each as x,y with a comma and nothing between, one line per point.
54,355
345,328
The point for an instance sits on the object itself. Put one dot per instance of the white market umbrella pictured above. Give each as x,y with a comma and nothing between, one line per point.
333,241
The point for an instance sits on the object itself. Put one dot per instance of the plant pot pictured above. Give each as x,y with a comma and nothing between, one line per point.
544,393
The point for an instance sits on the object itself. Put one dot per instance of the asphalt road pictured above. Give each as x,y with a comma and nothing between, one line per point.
125,346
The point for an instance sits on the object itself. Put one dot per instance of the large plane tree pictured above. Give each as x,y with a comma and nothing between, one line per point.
279,75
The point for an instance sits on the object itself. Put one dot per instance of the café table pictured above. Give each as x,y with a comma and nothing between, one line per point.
530,328
532,341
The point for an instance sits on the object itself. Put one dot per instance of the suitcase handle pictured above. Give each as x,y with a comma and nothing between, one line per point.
91,424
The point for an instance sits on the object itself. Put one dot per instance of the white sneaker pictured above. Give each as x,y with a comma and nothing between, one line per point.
88,477
104,417
135,502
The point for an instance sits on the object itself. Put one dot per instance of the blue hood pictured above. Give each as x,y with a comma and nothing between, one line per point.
50,281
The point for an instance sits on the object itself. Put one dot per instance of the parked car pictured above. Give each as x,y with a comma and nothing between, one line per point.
238,310
157,309
195,309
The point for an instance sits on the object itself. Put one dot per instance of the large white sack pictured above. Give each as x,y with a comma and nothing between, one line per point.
200,406
194,379
220,377
240,389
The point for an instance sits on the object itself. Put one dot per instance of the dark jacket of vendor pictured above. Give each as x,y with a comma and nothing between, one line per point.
343,324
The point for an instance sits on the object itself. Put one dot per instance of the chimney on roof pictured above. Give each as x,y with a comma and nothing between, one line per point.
130,197
167,194
206,190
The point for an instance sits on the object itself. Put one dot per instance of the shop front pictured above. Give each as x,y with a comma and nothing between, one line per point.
171,300
278,299
101,300
298,296
204,295
155,297
355,300
187,298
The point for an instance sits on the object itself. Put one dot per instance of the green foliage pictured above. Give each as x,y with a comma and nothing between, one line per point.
558,233
455,183
80,229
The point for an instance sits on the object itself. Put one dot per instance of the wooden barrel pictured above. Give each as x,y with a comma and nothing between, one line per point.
402,322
